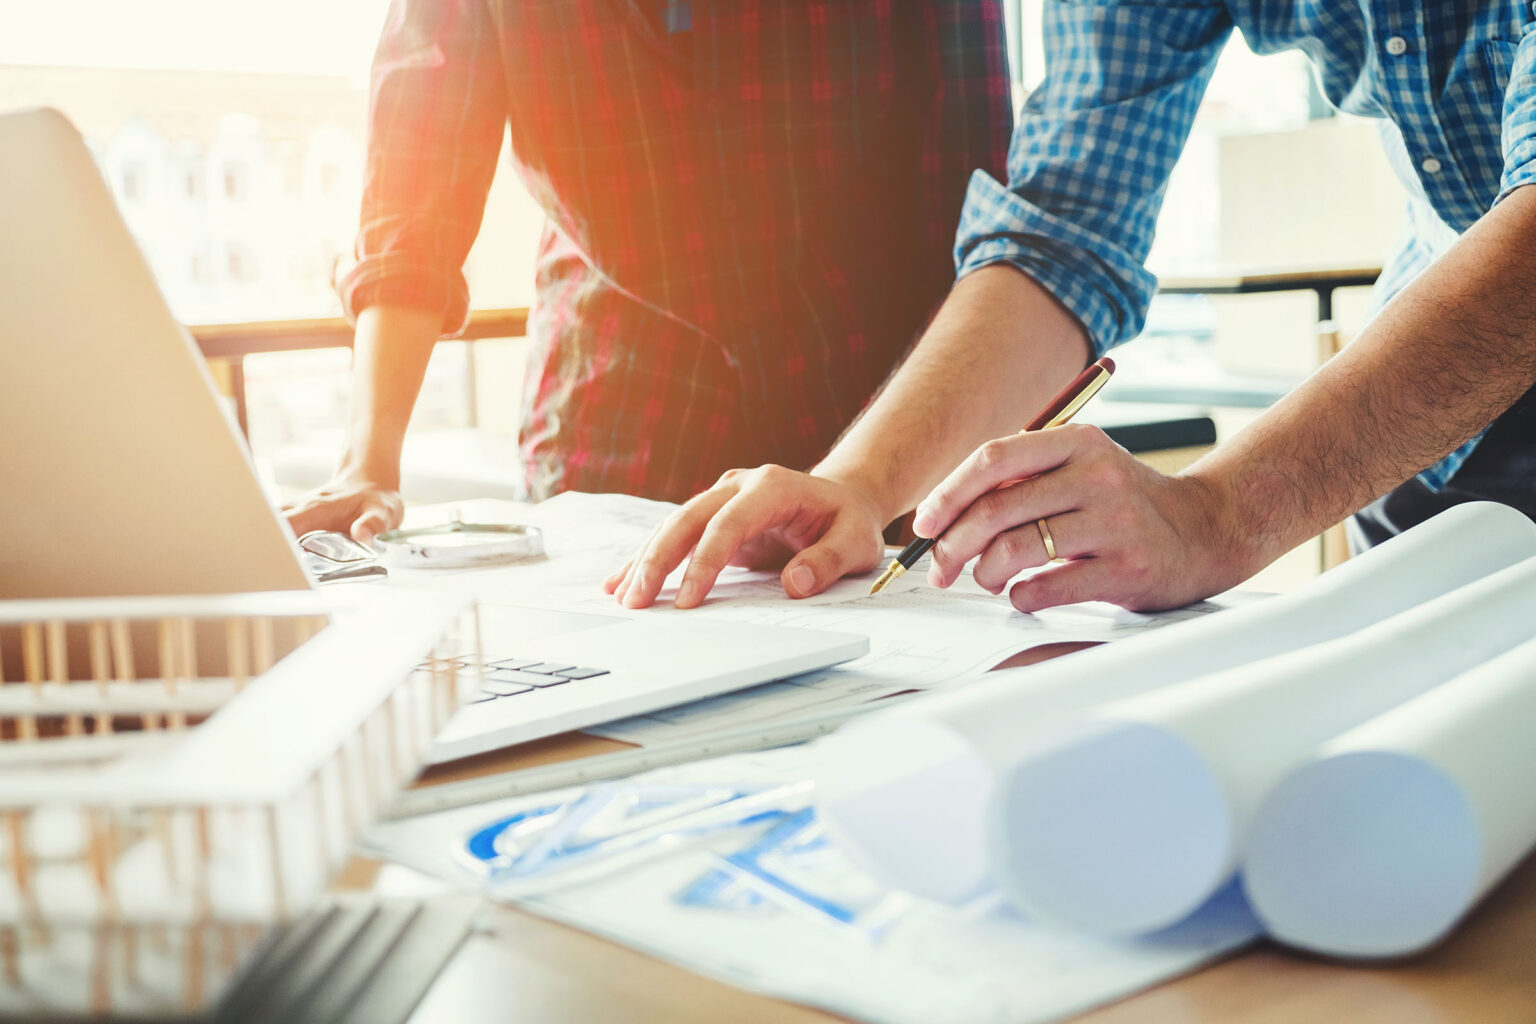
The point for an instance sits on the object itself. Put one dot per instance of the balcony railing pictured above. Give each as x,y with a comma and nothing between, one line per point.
231,343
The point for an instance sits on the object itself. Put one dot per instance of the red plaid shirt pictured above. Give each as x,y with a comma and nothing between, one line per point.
748,222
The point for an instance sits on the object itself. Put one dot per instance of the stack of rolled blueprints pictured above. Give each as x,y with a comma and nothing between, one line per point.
1358,750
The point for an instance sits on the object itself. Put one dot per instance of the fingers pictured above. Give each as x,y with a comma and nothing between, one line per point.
611,583
1023,547
848,546
321,512
756,517
1086,579
669,545
362,511
621,587
737,521
996,463
380,511
992,518
369,525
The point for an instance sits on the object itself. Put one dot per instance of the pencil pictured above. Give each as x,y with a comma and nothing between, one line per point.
1061,409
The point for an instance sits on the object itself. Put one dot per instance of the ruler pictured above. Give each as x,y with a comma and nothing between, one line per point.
542,778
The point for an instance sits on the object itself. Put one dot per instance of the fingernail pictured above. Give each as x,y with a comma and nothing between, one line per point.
802,580
922,521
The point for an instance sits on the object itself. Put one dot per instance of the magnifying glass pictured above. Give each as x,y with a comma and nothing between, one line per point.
459,545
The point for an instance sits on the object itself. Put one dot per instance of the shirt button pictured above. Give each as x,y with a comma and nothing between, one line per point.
1397,46
1430,165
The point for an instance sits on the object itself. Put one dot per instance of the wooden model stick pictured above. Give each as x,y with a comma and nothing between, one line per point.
122,650
32,667
100,853
196,942
371,787
263,644
21,858
349,816
451,697
203,837
322,827
10,954
186,661
58,670
229,948
131,955
100,671
166,827
165,633
101,971
274,844
238,651
391,712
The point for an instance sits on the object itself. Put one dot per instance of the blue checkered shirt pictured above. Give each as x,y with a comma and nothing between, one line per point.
1452,83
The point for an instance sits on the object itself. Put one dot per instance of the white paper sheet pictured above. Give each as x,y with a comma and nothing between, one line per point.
906,790
937,965
1383,843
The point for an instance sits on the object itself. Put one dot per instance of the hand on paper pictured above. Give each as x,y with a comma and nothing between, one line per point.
816,529
350,503
1125,532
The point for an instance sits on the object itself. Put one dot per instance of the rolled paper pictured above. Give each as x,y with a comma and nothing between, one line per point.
1383,843
903,792
1132,823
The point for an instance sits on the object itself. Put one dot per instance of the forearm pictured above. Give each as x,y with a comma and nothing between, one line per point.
390,355
998,350
1440,363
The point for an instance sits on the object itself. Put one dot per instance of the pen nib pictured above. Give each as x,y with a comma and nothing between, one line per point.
892,571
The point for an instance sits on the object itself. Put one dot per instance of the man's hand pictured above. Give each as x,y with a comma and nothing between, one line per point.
1127,533
351,503
816,529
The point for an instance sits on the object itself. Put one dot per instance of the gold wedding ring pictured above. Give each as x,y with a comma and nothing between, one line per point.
1045,538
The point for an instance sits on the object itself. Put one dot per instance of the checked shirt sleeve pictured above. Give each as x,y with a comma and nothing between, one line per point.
435,123
1091,156
1519,121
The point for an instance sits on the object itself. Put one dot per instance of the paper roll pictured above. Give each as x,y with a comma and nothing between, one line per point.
903,792
1133,824
1380,846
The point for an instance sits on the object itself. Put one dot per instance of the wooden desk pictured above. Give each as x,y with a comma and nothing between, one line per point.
525,968
528,969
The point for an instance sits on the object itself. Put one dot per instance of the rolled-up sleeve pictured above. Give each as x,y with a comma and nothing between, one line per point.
1519,121
437,113
1091,156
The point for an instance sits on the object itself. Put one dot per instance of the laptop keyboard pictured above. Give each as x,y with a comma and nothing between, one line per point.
509,677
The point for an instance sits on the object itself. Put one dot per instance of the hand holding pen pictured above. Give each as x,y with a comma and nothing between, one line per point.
1060,411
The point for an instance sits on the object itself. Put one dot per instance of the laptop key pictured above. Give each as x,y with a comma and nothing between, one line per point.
502,688
501,675
513,663
547,668
582,673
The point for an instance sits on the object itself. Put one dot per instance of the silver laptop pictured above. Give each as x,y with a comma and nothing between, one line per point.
121,474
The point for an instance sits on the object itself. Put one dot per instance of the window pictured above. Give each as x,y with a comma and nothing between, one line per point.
241,264
234,182
131,182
